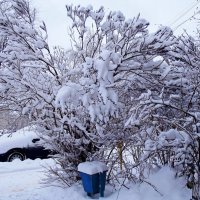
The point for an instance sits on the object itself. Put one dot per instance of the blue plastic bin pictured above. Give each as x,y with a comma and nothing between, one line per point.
93,175
94,183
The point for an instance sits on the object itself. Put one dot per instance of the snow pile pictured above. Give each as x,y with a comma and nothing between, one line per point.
167,186
93,167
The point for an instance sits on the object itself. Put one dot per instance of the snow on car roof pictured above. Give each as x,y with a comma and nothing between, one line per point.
19,139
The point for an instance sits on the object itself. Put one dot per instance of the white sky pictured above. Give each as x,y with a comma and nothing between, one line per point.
157,12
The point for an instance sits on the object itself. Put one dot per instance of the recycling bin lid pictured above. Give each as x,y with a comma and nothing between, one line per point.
92,167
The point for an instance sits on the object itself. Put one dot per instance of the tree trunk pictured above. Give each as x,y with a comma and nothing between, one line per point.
195,192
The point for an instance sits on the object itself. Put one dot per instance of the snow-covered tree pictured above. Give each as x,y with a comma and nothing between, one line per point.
30,77
22,55
126,71
167,115
121,95
119,59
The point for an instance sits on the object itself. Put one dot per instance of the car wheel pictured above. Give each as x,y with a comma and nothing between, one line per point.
16,156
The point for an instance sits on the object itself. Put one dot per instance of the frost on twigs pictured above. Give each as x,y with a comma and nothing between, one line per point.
121,95
117,61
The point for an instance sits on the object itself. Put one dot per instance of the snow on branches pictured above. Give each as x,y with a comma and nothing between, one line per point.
121,94
118,61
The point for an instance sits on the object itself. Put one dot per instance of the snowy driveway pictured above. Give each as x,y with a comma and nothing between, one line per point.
22,181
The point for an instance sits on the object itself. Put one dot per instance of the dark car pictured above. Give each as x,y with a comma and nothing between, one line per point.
21,145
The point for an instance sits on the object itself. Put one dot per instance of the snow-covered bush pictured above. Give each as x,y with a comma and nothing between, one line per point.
118,61
122,95
168,114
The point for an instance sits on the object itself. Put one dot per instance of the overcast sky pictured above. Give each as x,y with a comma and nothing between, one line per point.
157,12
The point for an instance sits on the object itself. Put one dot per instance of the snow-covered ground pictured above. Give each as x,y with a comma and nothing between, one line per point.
21,180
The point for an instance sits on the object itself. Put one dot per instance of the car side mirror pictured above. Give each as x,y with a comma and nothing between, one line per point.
35,140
